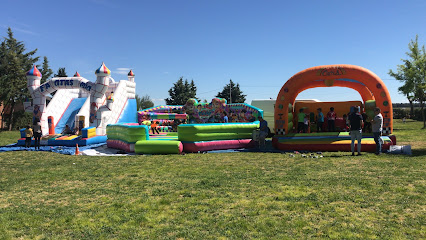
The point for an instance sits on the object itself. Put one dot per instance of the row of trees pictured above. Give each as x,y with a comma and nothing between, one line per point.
183,90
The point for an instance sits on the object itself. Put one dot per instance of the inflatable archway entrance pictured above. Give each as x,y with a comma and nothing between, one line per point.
368,84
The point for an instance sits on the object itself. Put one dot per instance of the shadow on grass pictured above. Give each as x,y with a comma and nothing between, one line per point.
418,152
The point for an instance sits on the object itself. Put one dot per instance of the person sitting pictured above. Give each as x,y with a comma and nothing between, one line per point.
67,130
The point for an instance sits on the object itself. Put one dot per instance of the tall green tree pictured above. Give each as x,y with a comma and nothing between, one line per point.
45,71
181,92
232,93
15,61
413,74
61,73
143,102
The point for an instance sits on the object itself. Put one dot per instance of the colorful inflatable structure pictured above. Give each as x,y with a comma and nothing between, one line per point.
105,110
86,107
206,132
371,88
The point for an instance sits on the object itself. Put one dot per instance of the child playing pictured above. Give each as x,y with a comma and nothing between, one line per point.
320,120
154,127
28,136
301,121
306,123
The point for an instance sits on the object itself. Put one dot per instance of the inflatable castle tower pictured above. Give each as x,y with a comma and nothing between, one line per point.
80,103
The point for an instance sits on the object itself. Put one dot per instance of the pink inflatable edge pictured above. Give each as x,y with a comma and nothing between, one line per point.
217,145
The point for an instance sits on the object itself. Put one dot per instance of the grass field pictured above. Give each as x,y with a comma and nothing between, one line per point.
215,196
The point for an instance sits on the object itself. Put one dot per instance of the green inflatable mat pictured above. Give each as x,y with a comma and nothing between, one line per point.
158,147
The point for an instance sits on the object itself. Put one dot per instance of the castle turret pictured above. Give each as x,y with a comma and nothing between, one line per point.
39,100
131,76
98,92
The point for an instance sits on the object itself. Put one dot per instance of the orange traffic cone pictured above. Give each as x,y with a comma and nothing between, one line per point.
77,152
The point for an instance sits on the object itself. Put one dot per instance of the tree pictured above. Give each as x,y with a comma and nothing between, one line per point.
14,63
143,102
61,73
45,71
181,92
232,93
413,73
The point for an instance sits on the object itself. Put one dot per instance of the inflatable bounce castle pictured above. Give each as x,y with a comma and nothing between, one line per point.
86,107
201,128
373,93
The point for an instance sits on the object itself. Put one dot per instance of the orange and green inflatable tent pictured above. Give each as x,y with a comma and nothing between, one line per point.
371,88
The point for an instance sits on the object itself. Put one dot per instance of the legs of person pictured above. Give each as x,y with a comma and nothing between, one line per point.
359,138
333,125
329,127
319,126
353,137
152,129
27,142
300,127
36,141
156,129
378,142
262,136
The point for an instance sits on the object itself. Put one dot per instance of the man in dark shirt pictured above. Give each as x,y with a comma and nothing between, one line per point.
355,122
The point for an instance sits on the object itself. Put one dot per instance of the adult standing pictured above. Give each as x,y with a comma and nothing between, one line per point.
263,132
355,122
377,125
37,133
331,120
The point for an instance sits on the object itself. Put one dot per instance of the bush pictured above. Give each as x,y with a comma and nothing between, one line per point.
399,113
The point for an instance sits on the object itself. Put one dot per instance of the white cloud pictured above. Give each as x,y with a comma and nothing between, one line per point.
122,71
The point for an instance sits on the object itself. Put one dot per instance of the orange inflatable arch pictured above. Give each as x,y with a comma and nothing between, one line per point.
365,82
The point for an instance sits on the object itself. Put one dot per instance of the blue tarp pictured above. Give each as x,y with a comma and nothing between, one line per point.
57,149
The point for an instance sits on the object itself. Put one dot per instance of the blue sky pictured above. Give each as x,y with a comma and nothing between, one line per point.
258,44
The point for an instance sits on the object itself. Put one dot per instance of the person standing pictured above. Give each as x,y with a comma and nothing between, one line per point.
28,136
377,125
263,132
225,117
301,121
331,120
355,122
37,133
320,120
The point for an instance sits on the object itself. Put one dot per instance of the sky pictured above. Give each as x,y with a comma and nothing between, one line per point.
257,44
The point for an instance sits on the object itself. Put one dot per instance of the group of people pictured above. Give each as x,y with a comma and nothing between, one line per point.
356,122
303,121
35,132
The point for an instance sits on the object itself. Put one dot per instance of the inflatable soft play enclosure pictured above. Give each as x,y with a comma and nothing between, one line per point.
206,130
86,107
373,93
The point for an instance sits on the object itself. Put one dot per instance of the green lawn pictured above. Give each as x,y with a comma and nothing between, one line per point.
215,196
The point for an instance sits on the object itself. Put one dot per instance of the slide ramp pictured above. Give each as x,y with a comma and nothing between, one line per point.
68,117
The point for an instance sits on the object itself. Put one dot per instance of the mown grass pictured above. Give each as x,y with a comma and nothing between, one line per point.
215,196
